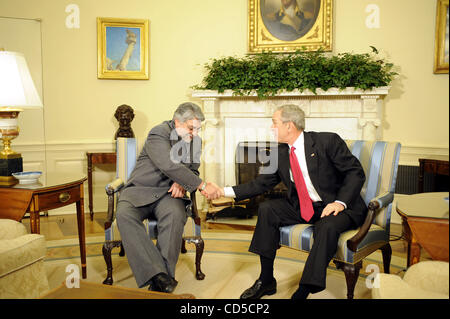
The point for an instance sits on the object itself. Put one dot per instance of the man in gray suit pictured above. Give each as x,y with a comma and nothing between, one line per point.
166,168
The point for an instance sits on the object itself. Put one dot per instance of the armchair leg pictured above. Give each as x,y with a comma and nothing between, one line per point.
386,250
199,247
107,247
351,272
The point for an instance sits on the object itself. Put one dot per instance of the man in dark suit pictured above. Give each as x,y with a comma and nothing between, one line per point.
324,182
166,168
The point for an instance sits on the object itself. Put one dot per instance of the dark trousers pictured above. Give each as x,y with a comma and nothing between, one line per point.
145,258
273,214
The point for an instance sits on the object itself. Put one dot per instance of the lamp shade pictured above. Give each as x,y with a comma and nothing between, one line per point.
17,89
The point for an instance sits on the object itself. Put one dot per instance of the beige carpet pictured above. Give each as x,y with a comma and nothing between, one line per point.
228,266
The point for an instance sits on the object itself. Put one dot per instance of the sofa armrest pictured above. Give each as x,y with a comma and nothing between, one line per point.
375,204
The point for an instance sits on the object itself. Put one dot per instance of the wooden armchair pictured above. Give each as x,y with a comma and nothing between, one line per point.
380,162
126,150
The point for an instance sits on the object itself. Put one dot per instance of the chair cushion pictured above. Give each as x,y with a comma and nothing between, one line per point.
191,229
300,236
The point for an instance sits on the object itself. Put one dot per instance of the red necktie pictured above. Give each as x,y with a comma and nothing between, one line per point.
306,208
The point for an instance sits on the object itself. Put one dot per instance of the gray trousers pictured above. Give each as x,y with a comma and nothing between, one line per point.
144,257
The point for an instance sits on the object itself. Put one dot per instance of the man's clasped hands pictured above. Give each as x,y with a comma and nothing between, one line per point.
210,190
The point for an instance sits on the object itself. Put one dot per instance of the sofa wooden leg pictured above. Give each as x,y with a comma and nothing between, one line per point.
386,250
351,272
107,248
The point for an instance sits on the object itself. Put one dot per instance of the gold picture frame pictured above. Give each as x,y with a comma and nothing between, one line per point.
441,54
309,26
122,49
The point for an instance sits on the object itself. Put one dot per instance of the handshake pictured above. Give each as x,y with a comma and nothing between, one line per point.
211,190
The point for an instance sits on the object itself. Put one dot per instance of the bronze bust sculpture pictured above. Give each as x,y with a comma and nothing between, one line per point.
124,114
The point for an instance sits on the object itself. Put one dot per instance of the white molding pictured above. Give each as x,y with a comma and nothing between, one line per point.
59,158
410,154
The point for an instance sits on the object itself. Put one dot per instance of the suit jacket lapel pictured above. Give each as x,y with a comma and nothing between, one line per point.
312,161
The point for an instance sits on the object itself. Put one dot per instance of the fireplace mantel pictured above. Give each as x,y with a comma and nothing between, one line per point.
319,92
229,119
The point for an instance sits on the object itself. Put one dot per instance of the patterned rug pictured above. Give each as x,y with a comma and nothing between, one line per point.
226,262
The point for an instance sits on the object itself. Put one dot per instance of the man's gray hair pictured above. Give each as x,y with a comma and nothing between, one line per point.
292,113
188,111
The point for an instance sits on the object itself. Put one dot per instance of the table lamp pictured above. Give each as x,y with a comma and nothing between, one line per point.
17,93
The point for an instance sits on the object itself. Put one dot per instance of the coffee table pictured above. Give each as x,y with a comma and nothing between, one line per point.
425,225
59,191
88,290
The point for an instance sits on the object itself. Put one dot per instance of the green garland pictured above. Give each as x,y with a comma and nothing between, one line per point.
268,73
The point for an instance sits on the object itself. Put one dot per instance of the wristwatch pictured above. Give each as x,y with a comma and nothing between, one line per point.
203,187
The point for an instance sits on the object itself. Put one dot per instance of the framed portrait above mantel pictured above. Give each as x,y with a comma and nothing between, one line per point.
441,54
122,49
290,25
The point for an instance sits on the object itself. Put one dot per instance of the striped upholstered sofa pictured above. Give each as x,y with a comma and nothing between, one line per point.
380,162
127,152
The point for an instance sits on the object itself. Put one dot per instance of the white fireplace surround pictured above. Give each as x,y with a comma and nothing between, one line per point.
230,119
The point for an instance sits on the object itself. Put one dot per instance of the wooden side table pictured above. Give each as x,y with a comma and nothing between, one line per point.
432,165
17,200
94,158
425,225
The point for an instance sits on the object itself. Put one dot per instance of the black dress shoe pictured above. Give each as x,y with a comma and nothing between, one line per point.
258,290
162,282
302,293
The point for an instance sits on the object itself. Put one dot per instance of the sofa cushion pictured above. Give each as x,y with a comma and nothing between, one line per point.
388,286
20,252
431,275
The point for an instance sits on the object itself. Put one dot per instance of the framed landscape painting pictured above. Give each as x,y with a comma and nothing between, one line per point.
122,49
